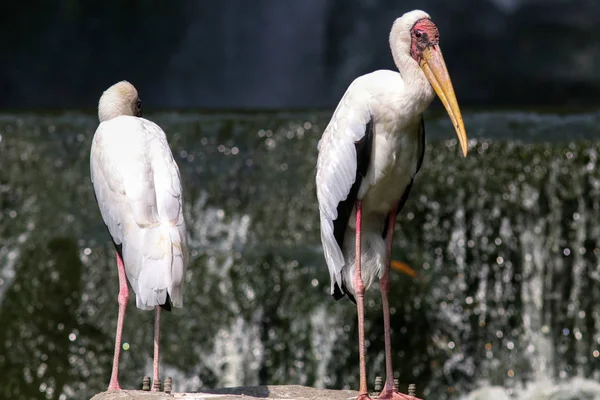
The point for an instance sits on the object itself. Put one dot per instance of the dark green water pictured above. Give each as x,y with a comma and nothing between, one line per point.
505,243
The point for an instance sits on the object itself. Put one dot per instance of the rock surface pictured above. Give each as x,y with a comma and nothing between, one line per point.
289,392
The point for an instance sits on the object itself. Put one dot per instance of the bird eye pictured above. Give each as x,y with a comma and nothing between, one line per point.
138,108
418,33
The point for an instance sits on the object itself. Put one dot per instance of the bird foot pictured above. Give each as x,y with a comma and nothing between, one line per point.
396,396
363,397
114,386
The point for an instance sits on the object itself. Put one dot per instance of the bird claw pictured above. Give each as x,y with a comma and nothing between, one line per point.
363,397
396,396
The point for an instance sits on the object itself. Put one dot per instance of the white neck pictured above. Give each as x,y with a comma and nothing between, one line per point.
417,87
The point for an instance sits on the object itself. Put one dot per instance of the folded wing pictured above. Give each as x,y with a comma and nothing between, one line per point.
344,152
138,189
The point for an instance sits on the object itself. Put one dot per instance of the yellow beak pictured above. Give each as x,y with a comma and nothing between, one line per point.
433,65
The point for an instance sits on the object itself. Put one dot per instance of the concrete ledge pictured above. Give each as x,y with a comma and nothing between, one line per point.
288,392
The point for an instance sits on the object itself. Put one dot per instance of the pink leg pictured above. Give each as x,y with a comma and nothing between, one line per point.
156,382
389,391
359,289
123,298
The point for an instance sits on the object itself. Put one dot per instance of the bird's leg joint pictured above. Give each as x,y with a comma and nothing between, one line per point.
123,298
359,285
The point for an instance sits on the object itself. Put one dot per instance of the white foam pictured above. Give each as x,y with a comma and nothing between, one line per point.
574,389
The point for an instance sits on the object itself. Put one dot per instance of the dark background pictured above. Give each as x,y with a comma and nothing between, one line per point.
284,53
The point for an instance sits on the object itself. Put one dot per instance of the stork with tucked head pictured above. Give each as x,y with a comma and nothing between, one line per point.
368,158
138,189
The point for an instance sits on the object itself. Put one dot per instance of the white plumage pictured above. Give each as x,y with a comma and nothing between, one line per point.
380,97
138,189
368,157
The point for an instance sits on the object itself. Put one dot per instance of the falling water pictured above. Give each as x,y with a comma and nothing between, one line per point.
505,304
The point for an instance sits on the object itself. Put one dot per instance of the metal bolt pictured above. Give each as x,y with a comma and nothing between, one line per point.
168,385
156,386
146,383
396,383
378,384
412,389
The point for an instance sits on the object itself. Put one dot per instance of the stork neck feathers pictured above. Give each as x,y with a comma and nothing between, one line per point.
416,85
119,99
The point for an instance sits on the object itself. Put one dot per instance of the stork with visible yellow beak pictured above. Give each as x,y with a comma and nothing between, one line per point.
368,157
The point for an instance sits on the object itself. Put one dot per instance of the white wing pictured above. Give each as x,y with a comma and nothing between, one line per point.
336,168
138,189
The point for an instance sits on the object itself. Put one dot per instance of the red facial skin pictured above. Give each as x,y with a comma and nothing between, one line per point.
423,34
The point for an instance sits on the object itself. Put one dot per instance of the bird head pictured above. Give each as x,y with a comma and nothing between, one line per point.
119,99
414,34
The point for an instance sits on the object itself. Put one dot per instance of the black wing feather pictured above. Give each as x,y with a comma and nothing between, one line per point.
422,140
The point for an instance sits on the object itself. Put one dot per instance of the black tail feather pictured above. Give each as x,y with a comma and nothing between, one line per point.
167,305
338,292
118,248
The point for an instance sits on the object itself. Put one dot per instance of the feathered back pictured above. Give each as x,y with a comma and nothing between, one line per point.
138,189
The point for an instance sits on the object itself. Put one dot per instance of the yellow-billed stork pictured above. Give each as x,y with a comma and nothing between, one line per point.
368,157
138,189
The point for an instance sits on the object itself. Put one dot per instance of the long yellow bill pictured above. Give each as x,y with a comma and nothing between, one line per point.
432,63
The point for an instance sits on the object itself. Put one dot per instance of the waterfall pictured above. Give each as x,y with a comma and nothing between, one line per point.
504,242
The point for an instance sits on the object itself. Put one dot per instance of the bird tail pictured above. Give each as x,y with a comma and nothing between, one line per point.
162,270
